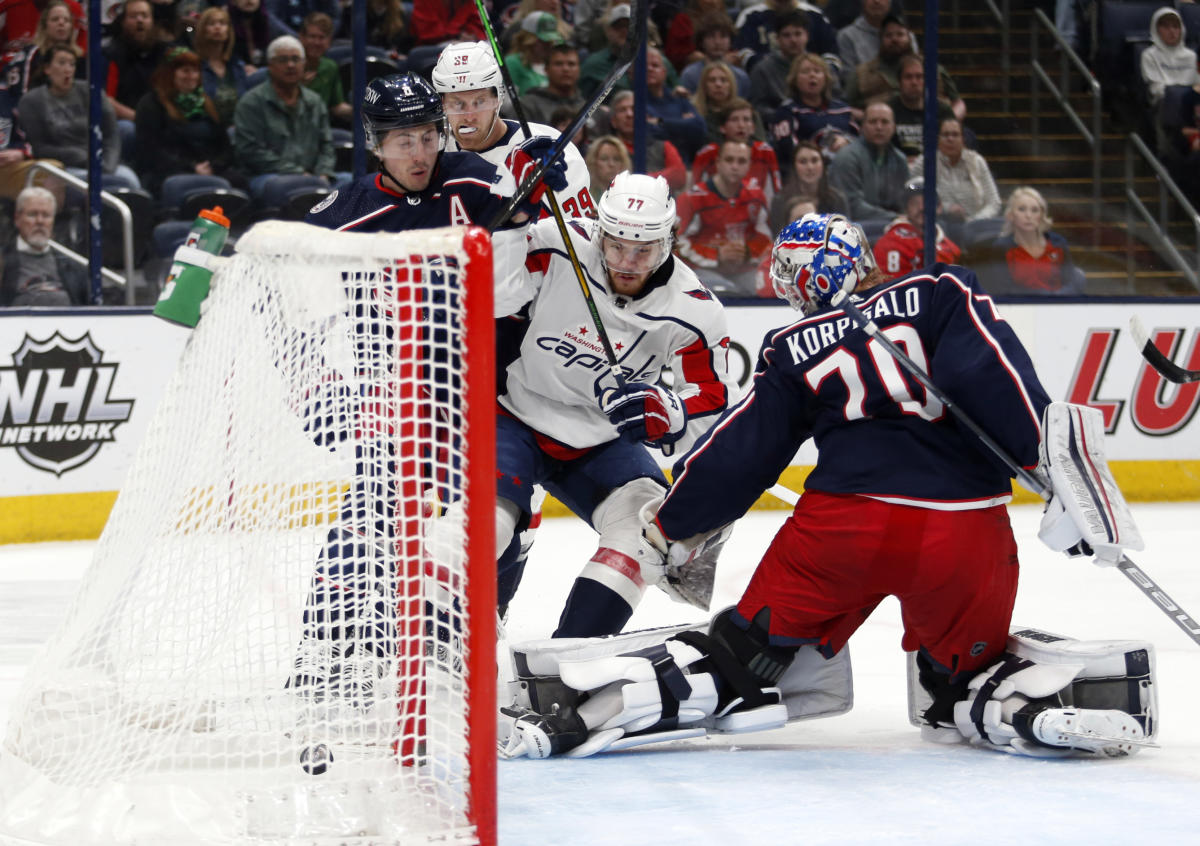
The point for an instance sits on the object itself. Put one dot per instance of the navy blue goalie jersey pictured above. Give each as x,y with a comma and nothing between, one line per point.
465,189
878,431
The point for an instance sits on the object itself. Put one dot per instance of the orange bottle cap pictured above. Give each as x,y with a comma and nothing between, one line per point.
216,215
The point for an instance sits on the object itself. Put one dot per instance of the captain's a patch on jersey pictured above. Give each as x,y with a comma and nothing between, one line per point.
325,203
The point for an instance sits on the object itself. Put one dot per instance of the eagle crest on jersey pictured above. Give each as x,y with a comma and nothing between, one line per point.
817,259
467,66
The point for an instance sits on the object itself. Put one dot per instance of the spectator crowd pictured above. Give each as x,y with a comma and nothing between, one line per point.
757,113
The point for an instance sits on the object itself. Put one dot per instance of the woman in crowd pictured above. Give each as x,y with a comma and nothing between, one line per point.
805,181
662,158
386,26
965,185
680,44
811,108
1038,260
717,88
55,26
606,157
251,31
223,74
23,64
182,120
54,118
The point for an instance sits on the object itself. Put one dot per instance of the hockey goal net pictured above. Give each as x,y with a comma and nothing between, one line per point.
283,636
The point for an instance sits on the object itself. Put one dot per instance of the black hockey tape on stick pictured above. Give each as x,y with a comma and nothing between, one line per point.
554,208
1171,371
631,48
1131,571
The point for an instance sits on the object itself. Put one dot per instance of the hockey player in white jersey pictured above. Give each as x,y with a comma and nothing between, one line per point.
566,423
472,89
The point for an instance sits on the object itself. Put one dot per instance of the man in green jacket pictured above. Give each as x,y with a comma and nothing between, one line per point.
282,128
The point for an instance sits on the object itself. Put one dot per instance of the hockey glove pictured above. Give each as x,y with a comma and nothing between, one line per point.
644,412
523,160
689,567
1086,514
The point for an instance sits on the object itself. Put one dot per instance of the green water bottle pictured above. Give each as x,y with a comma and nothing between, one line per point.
188,281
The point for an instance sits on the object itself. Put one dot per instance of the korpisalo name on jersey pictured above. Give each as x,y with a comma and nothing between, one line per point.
811,339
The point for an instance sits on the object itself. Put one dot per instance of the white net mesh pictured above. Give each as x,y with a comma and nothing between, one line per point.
269,646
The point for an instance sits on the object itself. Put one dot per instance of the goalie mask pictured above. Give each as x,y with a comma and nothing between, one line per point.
818,257
636,208
400,101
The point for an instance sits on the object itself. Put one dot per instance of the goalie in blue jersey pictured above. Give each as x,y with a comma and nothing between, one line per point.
905,501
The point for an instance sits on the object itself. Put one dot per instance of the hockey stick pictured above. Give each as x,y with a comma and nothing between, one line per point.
554,208
1169,369
631,49
1131,571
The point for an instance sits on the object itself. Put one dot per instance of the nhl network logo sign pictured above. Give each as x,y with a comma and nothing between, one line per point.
55,408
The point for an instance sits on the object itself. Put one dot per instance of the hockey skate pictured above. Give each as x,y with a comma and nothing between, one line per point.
310,673
322,673
1113,734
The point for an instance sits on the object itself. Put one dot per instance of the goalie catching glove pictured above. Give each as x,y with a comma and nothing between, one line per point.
1087,513
524,159
690,566
645,412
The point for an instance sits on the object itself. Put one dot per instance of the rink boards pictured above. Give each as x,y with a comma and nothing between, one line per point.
78,388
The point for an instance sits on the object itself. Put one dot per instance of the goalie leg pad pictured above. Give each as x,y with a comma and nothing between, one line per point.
663,684
1053,696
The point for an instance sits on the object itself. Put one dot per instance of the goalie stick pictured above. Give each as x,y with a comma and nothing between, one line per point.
554,208
1131,571
1155,357
632,47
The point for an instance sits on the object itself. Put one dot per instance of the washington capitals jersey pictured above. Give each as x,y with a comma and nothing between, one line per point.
878,432
763,173
465,189
674,323
707,218
576,199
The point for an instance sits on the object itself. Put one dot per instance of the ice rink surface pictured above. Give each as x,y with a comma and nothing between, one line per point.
863,777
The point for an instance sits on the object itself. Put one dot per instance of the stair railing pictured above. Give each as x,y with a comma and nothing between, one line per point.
1003,17
1188,266
1060,93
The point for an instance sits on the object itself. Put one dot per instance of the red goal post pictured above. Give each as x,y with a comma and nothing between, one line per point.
315,490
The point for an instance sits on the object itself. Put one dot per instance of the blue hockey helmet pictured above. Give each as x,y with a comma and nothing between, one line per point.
817,259
398,101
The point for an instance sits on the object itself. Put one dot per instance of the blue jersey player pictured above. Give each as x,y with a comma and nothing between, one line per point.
347,625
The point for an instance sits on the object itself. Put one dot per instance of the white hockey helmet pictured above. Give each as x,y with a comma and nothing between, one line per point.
637,207
467,66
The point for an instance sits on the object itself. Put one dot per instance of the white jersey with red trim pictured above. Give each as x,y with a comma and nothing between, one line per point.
675,323
576,199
